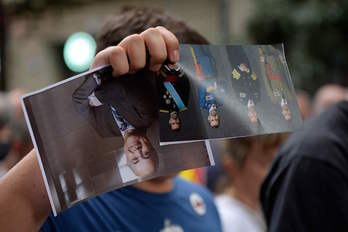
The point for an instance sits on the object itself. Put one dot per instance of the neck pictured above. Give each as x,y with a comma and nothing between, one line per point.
244,197
157,185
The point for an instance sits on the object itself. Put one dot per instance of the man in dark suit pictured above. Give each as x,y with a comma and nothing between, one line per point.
160,204
174,88
244,81
119,106
205,69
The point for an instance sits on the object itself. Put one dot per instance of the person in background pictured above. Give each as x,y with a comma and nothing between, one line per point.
216,178
326,96
15,140
5,135
306,188
304,103
245,161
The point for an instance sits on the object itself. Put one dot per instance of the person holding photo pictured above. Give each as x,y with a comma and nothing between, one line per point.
245,162
162,204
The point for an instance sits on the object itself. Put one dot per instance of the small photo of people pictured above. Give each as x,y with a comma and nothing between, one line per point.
226,91
174,90
95,133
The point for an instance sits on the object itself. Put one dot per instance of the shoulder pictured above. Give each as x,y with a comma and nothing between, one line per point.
221,200
320,147
324,138
227,207
305,184
235,215
92,214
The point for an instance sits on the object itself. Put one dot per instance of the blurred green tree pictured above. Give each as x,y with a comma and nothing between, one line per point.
315,36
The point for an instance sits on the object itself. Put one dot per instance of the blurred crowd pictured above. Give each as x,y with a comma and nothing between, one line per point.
241,166
15,140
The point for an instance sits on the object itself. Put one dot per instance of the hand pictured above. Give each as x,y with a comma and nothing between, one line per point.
130,54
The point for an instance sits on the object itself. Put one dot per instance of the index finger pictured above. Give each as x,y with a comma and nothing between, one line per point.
172,44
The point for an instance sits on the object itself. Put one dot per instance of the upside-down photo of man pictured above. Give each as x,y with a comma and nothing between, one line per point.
98,102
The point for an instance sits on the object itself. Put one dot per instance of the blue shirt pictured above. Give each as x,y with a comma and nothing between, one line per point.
188,207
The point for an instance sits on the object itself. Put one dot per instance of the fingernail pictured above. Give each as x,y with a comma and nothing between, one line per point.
175,56
156,67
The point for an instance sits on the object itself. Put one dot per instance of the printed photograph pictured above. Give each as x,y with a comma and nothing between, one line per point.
227,91
95,133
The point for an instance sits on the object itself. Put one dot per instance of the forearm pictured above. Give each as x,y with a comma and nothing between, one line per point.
24,202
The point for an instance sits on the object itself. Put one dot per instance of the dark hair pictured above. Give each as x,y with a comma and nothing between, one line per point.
134,20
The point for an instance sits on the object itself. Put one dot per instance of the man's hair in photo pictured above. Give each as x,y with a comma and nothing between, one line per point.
156,167
134,20
134,132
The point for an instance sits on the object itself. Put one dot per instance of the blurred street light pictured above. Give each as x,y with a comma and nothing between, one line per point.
79,51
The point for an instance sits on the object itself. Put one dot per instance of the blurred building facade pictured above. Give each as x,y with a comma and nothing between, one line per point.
34,57
37,29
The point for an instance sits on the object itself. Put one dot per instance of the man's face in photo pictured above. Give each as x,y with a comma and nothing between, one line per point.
213,117
141,156
244,68
210,88
174,121
286,112
252,114
214,121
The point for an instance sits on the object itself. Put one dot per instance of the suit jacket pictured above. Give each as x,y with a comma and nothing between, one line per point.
245,85
134,97
182,87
